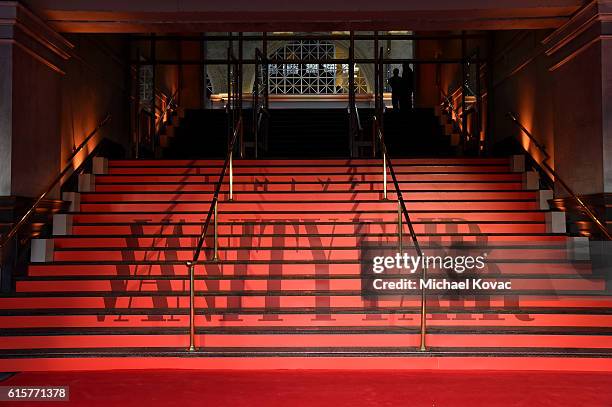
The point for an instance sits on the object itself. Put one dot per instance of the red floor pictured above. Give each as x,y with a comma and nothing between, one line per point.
325,388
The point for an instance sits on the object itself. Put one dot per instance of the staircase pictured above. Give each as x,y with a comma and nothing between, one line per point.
298,133
287,290
202,133
416,133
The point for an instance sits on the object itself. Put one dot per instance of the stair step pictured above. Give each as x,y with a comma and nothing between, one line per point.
274,286
300,163
246,269
436,228
306,169
410,318
339,339
96,200
374,176
322,303
285,253
271,204
319,214
312,240
143,191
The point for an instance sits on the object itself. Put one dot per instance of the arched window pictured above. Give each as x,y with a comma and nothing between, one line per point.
311,79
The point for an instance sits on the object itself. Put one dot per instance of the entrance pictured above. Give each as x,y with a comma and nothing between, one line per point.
305,95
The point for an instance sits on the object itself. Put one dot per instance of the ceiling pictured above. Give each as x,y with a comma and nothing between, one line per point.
145,16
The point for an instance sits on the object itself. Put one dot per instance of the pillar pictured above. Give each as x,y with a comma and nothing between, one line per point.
580,55
32,56
31,59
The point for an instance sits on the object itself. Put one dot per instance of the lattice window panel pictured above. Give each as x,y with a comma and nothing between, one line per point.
310,79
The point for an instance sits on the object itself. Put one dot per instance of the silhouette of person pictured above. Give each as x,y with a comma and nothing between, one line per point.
407,88
395,82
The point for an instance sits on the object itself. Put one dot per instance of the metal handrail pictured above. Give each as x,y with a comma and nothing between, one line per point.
159,124
165,111
260,96
357,118
233,107
451,105
355,127
262,112
545,167
402,206
213,209
26,217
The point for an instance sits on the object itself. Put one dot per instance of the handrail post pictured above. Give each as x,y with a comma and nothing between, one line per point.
384,157
191,266
231,175
399,225
216,242
212,211
423,344
403,211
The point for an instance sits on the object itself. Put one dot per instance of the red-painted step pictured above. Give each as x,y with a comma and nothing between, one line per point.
337,340
278,285
305,206
320,177
439,227
297,196
389,215
285,237
323,169
408,318
284,254
234,302
301,163
245,269
110,192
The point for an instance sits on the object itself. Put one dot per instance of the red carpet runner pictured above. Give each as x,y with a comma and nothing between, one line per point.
324,388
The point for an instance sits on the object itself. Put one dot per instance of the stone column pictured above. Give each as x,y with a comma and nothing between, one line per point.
31,59
580,53
32,56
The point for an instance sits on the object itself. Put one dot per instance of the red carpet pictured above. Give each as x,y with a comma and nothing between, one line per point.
325,388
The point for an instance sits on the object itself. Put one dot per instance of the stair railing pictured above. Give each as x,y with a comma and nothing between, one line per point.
16,228
355,128
545,168
170,105
148,135
234,99
449,106
406,216
260,100
212,213
378,135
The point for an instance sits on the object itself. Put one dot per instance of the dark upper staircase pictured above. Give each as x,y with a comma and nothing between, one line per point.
310,133
416,133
